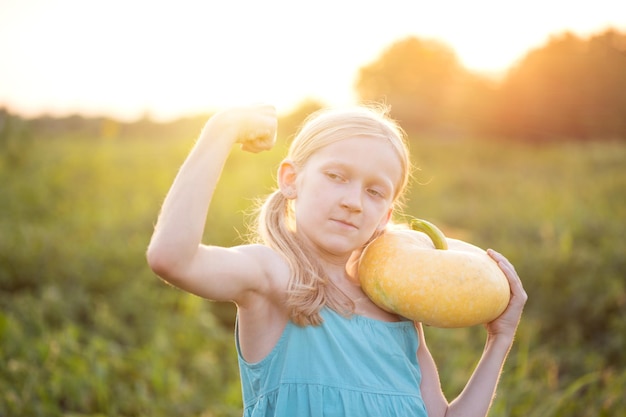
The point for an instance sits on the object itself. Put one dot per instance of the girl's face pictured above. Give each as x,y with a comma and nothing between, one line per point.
344,194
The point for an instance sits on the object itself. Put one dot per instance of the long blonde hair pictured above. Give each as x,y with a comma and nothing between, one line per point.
309,287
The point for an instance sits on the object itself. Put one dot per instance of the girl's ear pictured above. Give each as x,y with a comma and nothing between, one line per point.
287,179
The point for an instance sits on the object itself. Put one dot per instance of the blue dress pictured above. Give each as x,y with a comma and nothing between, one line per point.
346,367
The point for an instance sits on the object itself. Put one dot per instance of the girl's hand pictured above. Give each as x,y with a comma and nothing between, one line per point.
352,266
254,127
507,322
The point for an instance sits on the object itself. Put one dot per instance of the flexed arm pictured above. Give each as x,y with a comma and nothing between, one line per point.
175,252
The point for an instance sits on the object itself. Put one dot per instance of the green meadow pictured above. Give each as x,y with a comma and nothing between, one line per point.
86,329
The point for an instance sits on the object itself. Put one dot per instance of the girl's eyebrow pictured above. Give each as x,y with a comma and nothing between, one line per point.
335,163
382,180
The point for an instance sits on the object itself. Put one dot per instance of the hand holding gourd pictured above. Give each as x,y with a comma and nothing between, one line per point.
507,322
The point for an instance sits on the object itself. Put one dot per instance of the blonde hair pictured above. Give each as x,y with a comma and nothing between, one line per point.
309,287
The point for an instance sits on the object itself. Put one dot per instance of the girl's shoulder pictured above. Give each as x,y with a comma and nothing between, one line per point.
265,255
272,265
262,312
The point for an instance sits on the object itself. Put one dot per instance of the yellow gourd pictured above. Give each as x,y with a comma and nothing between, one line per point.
428,278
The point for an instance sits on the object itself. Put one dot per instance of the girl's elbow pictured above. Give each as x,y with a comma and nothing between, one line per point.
160,262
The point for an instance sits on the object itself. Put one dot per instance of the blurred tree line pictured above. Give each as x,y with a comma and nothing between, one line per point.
570,88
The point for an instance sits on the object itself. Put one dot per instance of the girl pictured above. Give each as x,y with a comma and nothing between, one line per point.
309,342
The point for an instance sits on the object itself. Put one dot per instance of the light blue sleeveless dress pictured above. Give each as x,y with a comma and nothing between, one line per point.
346,367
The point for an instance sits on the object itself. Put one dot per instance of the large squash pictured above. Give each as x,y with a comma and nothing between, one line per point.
423,276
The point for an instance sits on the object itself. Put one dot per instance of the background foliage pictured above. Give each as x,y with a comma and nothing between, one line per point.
570,88
87,330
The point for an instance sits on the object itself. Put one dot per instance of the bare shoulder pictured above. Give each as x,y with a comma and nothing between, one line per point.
262,313
261,273
269,269
231,274
255,278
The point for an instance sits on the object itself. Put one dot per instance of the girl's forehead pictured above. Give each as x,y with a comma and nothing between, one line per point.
365,153
357,147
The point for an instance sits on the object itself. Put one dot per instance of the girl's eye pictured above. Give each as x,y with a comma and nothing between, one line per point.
334,176
375,193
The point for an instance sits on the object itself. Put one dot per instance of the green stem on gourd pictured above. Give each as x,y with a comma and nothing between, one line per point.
433,232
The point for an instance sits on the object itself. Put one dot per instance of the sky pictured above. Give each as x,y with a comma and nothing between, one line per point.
166,59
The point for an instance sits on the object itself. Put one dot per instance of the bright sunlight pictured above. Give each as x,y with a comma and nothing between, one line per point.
128,59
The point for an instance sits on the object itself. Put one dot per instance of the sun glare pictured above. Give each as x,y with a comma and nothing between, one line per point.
132,58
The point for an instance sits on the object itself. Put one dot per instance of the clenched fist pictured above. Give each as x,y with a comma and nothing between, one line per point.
254,127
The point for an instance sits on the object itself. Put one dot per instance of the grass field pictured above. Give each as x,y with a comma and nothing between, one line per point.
87,330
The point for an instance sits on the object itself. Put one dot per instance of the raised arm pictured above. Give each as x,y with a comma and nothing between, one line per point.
476,398
176,252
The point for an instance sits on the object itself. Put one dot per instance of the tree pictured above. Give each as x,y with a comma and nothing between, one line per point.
414,77
570,88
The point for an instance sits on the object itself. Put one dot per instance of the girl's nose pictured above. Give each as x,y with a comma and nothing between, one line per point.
352,199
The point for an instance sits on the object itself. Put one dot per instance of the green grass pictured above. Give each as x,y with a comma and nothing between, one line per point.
87,330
